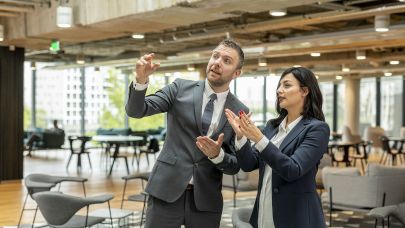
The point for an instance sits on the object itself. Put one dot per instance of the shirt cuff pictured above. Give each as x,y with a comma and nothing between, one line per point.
139,87
219,158
262,144
240,143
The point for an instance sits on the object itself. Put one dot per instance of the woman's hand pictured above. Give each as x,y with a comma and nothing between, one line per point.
234,121
248,128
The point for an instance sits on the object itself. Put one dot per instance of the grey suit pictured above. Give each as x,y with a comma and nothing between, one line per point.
180,159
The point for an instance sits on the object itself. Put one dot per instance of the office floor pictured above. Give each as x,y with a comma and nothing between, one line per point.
53,162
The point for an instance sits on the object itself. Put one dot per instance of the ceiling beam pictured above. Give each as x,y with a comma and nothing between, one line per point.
11,8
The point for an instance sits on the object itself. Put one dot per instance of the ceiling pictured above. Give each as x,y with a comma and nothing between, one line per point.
184,32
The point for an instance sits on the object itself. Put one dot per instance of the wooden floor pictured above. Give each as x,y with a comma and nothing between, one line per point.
12,193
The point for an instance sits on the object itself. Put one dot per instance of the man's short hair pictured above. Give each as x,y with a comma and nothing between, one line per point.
232,44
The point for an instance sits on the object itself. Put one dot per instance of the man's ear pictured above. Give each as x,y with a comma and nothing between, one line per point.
237,73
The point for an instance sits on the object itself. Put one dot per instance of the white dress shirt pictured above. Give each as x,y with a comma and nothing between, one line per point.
265,217
216,116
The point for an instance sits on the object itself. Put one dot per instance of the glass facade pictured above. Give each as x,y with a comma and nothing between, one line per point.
367,103
391,104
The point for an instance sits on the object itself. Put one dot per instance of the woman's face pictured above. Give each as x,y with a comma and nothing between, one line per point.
291,96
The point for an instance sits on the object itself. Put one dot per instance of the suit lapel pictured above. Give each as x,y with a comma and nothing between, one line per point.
294,133
198,98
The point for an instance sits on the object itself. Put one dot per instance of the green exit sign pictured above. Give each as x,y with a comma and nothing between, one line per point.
55,47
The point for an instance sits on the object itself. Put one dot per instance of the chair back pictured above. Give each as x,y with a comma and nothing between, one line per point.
385,144
153,145
347,135
373,134
58,208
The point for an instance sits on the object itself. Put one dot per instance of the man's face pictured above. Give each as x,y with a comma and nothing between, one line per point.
222,67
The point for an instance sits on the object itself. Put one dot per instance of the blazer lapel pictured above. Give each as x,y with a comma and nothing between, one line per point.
198,98
294,133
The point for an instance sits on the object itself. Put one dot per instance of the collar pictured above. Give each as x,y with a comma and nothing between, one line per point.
288,128
208,91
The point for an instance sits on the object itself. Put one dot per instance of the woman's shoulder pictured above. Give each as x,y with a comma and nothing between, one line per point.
314,123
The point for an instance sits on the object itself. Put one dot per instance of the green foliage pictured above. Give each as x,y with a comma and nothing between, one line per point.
113,116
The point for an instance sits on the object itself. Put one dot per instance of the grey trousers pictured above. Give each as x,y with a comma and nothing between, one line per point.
181,212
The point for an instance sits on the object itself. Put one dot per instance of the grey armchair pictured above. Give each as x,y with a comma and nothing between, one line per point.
346,189
241,182
397,211
41,182
240,217
60,210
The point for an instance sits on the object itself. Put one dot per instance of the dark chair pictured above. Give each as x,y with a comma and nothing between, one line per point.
362,152
388,152
78,151
41,182
139,197
152,148
60,210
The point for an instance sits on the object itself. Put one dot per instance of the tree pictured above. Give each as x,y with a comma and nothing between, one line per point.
114,115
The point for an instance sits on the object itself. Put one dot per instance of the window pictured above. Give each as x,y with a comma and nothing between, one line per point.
327,106
249,91
367,103
340,105
391,104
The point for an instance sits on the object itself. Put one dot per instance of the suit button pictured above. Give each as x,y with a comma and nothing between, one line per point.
275,190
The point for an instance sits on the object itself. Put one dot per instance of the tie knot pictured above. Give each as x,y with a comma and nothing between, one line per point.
213,97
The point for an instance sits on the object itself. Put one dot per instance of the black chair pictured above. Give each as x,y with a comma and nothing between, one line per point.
41,182
139,197
362,151
78,151
152,148
389,152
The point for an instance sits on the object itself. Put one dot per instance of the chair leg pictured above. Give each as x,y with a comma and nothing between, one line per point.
330,206
126,163
23,209
84,189
123,194
143,211
88,156
70,158
35,215
362,166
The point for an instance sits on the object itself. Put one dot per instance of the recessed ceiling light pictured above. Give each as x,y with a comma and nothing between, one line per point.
315,54
278,12
387,74
262,62
382,23
338,77
360,54
138,36
345,68
297,66
394,62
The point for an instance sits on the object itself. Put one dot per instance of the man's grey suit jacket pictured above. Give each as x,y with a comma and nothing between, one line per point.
180,158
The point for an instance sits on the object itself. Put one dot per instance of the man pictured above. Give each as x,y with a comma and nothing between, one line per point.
185,183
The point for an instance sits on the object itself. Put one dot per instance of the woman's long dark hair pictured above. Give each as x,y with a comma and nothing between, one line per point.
313,101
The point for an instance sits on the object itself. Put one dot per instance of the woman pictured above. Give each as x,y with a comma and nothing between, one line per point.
287,154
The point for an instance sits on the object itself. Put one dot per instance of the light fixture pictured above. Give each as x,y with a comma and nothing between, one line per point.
338,77
64,17
315,54
345,68
190,67
278,12
80,59
262,62
1,33
33,66
55,46
271,73
387,74
394,62
138,36
316,76
360,54
297,65
382,23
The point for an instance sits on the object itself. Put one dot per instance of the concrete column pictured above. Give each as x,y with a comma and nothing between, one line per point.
352,104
